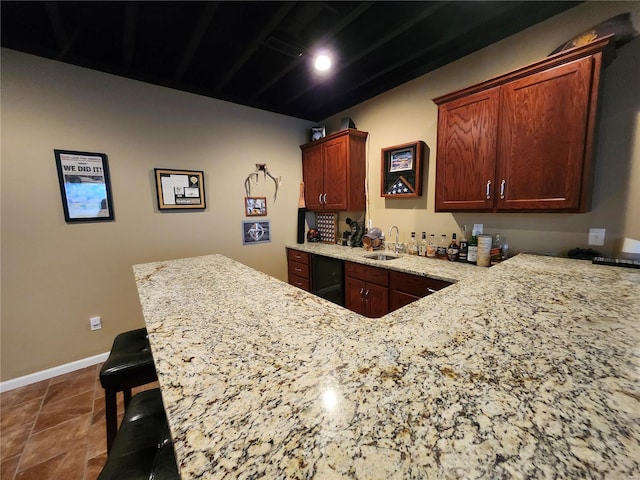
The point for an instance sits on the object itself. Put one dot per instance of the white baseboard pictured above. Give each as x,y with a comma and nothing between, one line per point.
52,372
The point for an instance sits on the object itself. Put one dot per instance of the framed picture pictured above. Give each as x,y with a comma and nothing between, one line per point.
256,232
180,189
317,133
84,185
401,170
255,206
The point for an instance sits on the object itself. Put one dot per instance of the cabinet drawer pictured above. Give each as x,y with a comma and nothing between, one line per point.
299,282
299,269
375,275
297,256
415,284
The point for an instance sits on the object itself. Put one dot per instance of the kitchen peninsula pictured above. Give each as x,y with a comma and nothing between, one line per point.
528,369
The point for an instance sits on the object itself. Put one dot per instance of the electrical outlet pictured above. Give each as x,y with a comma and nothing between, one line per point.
596,236
96,323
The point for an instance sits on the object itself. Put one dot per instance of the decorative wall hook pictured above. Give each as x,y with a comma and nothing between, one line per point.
255,176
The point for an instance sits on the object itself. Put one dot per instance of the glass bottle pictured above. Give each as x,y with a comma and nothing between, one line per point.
472,254
441,252
453,249
464,246
431,247
496,249
422,246
412,247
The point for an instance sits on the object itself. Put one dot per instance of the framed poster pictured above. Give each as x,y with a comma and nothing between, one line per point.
401,170
180,189
84,185
256,232
255,206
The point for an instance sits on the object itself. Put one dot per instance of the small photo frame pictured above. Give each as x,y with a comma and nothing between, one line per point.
256,232
255,206
84,185
317,133
401,170
180,189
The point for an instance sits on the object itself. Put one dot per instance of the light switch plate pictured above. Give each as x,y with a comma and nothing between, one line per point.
596,236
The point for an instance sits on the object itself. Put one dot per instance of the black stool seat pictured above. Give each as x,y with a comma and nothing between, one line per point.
130,364
143,448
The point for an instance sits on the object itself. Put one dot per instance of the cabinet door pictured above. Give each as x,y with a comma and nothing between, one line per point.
398,299
335,173
313,176
542,136
465,163
354,295
376,300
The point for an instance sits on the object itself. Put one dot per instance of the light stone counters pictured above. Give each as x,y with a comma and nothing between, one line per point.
529,369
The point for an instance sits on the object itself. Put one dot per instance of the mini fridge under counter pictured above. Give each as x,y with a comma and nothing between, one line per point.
328,278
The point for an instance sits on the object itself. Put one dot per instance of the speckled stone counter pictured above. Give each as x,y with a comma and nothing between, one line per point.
529,369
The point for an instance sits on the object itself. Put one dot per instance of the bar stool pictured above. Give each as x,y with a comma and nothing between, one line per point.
129,365
143,448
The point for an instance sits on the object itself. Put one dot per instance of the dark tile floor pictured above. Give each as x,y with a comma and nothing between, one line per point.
55,429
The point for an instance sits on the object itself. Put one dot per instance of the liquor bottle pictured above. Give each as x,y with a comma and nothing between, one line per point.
496,249
412,247
441,252
472,254
464,246
431,247
422,246
453,249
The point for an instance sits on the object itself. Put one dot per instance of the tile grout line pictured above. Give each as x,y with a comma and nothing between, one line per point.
33,426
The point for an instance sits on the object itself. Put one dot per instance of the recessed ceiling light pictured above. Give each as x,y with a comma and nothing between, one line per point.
323,62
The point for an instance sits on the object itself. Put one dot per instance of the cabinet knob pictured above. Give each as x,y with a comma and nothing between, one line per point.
502,184
488,190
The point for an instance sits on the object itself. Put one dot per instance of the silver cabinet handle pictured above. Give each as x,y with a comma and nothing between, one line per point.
489,190
324,200
297,269
362,294
320,199
502,184
431,290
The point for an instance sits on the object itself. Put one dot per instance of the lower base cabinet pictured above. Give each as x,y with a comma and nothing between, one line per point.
366,289
298,269
406,288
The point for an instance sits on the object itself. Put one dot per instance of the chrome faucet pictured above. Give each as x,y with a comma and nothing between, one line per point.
396,247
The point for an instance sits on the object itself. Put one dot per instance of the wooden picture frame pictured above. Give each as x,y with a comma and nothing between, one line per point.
255,206
85,186
180,189
401,170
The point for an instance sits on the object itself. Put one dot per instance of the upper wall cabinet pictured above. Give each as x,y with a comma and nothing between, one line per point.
334,170
522,141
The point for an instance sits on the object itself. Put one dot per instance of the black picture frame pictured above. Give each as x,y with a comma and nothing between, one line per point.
85,186
180,189
317,133
256,232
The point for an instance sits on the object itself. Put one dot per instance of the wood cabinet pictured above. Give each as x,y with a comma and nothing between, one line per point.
298,264
366,289
405,288
522,141
333,171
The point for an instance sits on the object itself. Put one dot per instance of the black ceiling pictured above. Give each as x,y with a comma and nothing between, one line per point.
249,52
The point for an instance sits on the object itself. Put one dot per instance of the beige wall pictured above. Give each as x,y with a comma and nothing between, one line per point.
57,275
407,114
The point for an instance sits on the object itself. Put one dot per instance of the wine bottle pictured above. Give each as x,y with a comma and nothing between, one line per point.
472,254
422,246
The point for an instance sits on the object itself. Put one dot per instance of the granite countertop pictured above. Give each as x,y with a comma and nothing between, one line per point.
528,369
428,267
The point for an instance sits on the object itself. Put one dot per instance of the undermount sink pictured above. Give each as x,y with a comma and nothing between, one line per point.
380,256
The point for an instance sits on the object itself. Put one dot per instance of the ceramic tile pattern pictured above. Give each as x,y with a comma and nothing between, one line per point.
529,369
55,429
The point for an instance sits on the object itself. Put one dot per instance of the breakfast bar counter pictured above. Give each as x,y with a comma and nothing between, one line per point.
529,369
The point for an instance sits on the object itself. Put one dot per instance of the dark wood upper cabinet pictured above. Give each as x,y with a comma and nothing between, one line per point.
333,171
522,141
